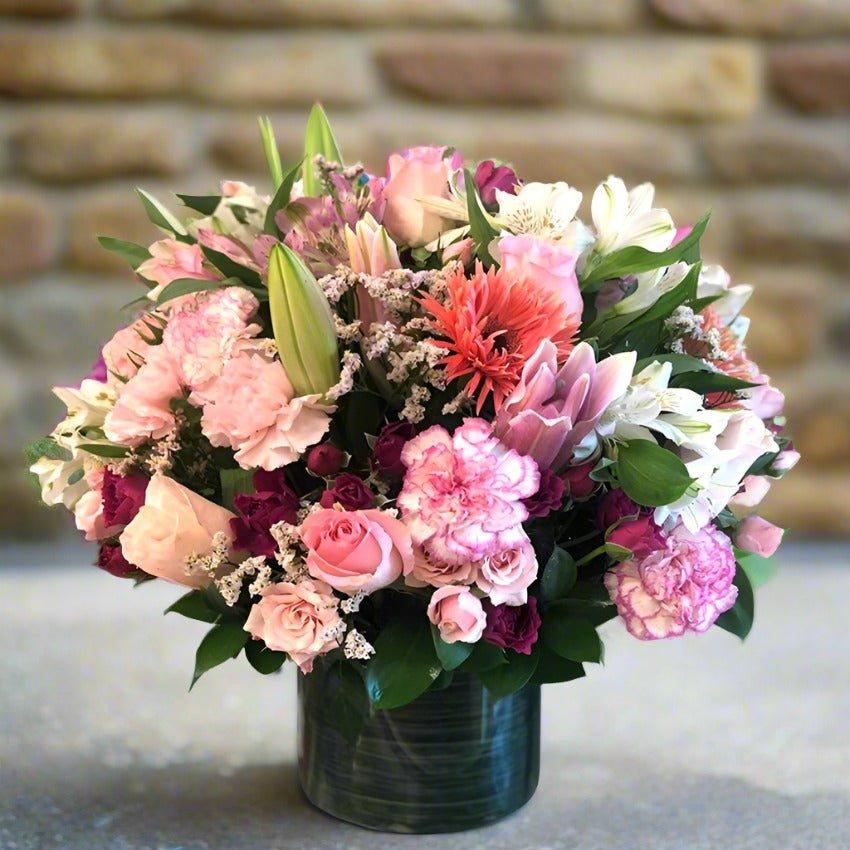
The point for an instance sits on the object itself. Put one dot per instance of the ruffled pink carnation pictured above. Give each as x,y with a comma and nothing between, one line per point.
206,331
251,408
462,494
683,587
143,410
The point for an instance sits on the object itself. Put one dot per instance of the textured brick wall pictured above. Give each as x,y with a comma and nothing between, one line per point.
737,105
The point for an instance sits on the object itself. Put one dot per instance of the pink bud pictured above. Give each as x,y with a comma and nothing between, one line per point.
759,536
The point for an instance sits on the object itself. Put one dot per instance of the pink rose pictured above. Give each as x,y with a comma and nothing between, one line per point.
506,576
551,266
173,524
88,516
171,260
413,174
425,572
753,489
759,536
458,614
299,619
356,550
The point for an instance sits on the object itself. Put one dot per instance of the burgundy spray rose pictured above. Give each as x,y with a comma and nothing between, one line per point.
614,506
349,491
386,456
325,459
578,482
549,496
489,177
122,497
512,626
111,558
273,501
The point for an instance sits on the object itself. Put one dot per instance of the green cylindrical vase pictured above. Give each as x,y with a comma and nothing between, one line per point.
453,759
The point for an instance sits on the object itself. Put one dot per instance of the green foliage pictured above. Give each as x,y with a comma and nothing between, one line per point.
231,269
271,151
709,382
559,576
739,618
195,606
204,204
130,252
281,198
405,662
480,230
759,570
361,418
571,637
634,260
263,659
344,689
318,139
451,655
506,679
485,656
681,363
554,668
160,215
221,643
235,481
650,475
187,285
45,447
104,451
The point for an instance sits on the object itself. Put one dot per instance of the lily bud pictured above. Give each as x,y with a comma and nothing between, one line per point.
303,324
370,249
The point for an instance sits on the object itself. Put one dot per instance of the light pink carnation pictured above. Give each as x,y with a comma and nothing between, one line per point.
462,494
505,576
425,572
143,410
251,408
172,260
206,331
127,349
681,588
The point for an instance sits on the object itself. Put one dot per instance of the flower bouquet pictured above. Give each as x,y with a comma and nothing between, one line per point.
422,434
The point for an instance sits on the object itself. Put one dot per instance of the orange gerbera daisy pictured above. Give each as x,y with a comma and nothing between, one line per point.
491,323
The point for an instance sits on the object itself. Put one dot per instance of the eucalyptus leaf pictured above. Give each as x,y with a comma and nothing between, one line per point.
104,450
506,679
130,252
559,575
650,475
739,618
222,642
195,606
45,447
318,139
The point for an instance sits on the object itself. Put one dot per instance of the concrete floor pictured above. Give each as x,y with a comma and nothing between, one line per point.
693,744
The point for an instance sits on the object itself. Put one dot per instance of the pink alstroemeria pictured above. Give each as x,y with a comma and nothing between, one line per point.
171,260
232,248
371,252
553,410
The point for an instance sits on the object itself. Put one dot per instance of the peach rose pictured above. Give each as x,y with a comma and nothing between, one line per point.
356,550
413,174
424,572
458,614
173,524
298,619
505,576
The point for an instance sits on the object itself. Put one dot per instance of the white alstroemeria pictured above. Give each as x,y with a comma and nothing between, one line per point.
623,218
650,287
448,238
650,405
545,210
88,407
714,280
61,481
718,475
240,214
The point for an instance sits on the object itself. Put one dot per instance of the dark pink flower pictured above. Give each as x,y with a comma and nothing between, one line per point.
349,491
98,370
549,496
111,558
273,501
122,496
512,626
386,455
578,482
616,505
489,177
641,536
324,459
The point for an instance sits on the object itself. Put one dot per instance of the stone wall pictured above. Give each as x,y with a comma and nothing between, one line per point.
737,105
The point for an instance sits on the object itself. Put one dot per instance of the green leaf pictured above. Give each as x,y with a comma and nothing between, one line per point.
281,198
571,637
130,252
362,417
559,576
318,139
506,679
231,269
651,475
204,204
485,656
684,291
759,570
222,642
195,606
451,655
739,618
553,668
187,285
596,613
709,382
634,260
480,230
271,150
235,481
105,450
344,689
160,215
682,363
263,659
45,447
405,662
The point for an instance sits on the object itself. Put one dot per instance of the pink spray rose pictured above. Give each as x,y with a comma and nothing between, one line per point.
759,536
641,536
350,491
413,174
463,493
171,260
173,524
325,459
551,266
578,483
682,587
458,614
356,550
506,575
251,408
424,572
299,619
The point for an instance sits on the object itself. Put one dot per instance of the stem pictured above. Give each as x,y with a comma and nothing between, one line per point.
599,550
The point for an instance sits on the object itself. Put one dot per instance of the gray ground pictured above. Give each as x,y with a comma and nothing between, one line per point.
698,743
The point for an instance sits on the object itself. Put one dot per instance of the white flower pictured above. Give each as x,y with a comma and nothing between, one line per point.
650,287
545,210
62,481
87,406
715,281
623,218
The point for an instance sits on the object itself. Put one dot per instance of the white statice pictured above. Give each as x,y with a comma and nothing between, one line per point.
650,287
544,210
623,218
240,214
715,281
650,406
